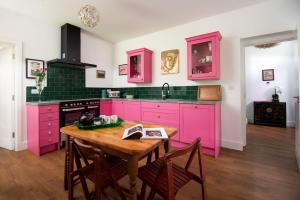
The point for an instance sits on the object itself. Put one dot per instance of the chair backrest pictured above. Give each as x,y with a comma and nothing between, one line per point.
87,152
192,149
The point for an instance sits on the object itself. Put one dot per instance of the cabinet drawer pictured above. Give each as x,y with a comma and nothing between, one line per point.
53,130
48,109
49,116
158,105
49,124
164,118
49,139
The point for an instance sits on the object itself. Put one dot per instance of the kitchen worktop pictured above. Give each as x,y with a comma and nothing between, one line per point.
180,101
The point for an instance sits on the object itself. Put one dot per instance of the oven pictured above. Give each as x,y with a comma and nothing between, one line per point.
70,111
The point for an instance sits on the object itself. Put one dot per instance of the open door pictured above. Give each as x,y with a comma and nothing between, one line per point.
6,97
297,139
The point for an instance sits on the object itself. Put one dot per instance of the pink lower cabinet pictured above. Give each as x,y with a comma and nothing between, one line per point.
165,114
42,128
105,107
127,110
201,121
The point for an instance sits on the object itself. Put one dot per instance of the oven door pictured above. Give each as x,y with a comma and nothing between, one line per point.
95,110
67,117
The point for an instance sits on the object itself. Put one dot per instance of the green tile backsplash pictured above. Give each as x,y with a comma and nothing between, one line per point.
69,83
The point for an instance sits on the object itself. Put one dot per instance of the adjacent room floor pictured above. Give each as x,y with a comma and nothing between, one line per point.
266,169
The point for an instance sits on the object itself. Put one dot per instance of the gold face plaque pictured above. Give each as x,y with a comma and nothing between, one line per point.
170,62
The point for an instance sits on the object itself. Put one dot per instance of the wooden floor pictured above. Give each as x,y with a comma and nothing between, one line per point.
265,170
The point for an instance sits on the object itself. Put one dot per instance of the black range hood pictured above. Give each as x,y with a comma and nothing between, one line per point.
70,49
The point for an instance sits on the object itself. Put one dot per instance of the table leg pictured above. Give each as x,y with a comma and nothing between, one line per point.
132,173
67,162
167,146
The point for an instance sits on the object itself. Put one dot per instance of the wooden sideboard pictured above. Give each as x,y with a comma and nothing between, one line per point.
270,113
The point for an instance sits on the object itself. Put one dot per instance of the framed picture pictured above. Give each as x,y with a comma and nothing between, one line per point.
32,65
170,62
100,73
268,75
123,69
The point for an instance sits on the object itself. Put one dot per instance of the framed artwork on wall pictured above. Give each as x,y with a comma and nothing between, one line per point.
123,69
268,75
170,62
100,73
32,66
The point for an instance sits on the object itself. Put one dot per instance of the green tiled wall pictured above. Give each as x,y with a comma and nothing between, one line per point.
69,83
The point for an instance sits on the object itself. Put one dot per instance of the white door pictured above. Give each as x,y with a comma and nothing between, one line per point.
297,139
6,91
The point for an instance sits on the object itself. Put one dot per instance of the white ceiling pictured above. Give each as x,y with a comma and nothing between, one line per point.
125,19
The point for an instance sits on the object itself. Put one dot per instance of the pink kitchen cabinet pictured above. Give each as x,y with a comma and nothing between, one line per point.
139,66
203,53
42,128
201,121
127,110
105,107
165,114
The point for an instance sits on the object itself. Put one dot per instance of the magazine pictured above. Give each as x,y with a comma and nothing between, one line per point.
139,132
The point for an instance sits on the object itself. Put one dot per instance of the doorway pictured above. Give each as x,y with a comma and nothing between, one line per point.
7,89
276,54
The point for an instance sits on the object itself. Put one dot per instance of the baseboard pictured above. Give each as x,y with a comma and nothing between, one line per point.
232,145
6,144
250,121
291,124
22,145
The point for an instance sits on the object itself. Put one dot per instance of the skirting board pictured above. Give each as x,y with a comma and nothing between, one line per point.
21,145
229,144
6,143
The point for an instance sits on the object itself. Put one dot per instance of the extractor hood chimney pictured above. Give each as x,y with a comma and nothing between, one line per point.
70,49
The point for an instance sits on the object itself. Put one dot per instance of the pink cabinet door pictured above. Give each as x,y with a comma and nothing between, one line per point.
117,108
132,111
105,107
197,121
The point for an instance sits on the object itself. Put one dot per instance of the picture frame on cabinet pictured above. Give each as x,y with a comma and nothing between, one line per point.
268,74
122,69
100,73
32,66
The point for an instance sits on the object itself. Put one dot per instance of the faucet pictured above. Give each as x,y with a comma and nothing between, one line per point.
163,94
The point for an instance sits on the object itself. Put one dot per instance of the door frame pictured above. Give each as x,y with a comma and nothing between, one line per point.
17,108
251,41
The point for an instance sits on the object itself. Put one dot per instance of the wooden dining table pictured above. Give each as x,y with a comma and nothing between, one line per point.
110,141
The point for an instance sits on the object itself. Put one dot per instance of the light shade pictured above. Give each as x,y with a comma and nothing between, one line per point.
89,16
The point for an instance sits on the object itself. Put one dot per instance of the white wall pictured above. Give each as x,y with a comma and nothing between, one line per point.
284,60
264,18
41,40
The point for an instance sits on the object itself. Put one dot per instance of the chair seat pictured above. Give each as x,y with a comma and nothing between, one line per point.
118,169
149,172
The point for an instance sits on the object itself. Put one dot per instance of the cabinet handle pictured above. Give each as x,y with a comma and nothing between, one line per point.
49,133
49,108
49,124
158,116
196,106
158,106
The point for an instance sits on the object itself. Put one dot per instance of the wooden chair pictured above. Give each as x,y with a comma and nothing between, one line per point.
166,178
92,163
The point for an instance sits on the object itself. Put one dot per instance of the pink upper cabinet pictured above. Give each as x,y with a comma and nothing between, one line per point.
139,66
204,56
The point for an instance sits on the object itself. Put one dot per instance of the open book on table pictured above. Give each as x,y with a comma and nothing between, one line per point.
138,131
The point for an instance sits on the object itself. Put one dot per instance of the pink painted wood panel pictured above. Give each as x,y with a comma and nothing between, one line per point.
118,108
105,107
49,116
211,71
48,108
132,111
33,129
198,121
159,105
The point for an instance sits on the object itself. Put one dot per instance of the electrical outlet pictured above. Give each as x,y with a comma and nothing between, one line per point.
34,91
